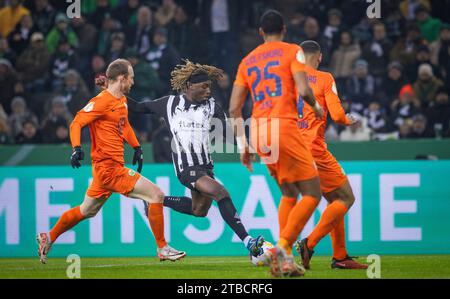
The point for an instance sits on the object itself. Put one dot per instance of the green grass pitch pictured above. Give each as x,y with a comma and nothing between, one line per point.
405,266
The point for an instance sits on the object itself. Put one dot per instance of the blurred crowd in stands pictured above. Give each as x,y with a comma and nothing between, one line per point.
394,72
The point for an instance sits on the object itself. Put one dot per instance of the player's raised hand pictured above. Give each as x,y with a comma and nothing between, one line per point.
246,160
318,111
353,118
77,156
101,81
138,157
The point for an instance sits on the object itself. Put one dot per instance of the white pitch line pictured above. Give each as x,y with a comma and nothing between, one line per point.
20,155
120,265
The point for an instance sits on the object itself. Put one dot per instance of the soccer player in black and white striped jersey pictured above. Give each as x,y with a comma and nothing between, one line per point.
189,117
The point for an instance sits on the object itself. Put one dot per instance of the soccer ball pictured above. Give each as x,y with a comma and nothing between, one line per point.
262,259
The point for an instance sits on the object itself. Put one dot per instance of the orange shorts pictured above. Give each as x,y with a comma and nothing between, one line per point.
331,174
288,160
109,177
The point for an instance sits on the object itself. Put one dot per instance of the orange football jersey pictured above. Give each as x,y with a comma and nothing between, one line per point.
325,91
267,73
107,118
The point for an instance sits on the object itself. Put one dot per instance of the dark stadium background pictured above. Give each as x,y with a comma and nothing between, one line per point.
376,62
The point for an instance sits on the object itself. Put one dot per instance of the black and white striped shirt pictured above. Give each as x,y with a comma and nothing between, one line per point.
189,124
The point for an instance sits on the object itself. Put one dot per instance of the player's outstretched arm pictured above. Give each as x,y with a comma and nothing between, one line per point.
75,139
131,139
157,106
334,104
238,95
226,124
92,111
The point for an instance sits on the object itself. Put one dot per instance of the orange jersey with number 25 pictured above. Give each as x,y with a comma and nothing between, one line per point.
267,73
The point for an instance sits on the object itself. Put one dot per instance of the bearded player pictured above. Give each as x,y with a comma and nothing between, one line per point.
107,118
333,181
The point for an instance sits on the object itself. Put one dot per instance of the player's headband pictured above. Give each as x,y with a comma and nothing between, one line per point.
199,77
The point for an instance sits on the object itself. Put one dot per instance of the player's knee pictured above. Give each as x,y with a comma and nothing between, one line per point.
158,196
200,212
90,212
222,193
348,199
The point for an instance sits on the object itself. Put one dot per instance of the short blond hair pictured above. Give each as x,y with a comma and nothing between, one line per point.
116,68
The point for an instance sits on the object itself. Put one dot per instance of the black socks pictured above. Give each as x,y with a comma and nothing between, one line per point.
181,204
231,217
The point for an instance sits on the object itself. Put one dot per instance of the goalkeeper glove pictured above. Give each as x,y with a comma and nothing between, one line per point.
138,157
77,156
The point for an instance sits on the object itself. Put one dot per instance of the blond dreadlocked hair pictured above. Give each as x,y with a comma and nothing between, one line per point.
182,72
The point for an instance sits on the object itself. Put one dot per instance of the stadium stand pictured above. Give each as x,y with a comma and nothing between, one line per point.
393,71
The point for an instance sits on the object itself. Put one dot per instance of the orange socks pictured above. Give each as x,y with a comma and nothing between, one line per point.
156,220
283,243
298,217
338,240
334,212
286,205
67,220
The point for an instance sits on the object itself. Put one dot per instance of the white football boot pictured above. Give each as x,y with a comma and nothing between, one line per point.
44,246
170,254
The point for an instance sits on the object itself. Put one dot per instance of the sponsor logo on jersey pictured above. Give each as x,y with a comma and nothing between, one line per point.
191,125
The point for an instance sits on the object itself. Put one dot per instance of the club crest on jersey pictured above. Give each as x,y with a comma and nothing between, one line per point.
301,57
334,88
131,172
89,107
